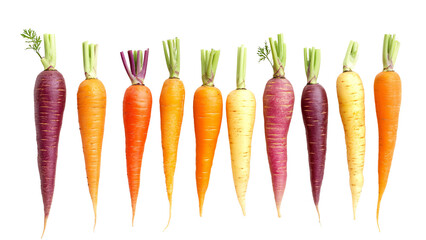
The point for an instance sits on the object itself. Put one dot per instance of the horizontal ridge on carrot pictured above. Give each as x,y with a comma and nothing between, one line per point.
91,105
208,106
387,95
278,102
350,93
49,105
315,117
172,100
240,115
137,105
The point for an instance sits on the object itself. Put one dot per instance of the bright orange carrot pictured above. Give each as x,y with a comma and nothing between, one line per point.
387,94
137,105
208,107
172,99
91,103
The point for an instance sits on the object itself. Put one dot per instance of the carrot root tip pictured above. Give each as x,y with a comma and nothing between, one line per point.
44,227
319,216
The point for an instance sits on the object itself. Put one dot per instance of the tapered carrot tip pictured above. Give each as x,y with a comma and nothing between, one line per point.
377,215
319,216
170,216
44,228
201,204
133,220
244,210
278,210
94,225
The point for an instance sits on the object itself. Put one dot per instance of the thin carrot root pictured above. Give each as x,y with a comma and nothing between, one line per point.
278,209
200,204
44,228
378,210
319,216
95,211
170,215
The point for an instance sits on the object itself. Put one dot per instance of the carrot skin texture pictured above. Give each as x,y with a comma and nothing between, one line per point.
387,95
315,117
350,92
278,102
91,104
172,100
137,104
208,109
49,105
240,114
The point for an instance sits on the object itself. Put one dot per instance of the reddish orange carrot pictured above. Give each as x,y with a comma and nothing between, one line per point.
208,105
137,105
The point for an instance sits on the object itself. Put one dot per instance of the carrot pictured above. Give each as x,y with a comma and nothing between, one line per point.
387,95
137,105
172,99
240,115
350,93
49,104
315,117
278,102
91,104
207,121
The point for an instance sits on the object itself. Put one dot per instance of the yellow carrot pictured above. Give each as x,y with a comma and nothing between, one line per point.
350,93
240,114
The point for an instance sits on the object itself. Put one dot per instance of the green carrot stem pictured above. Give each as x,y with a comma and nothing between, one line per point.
279,55
312,64
34,42
351,57
49,60
90,59
390,52
172,56
241,67
209,61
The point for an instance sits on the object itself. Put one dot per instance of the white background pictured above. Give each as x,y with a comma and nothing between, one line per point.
224,25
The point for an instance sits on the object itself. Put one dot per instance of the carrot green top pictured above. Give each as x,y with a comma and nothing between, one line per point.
90,59
34,41
278,55
209,60
312,64
172,56
138,65
390,51
351,57
241,67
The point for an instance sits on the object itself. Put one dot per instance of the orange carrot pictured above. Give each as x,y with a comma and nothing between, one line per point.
172,99
387,94
208,107
137,105
91,103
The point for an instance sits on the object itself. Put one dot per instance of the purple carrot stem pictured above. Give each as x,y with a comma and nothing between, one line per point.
123,58
138,63
145,63
132,62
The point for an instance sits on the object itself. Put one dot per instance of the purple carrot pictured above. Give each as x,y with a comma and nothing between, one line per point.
49,104
278,101
315,117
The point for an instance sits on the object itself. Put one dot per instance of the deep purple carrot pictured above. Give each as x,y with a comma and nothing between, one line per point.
49,104
315,116
278,101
